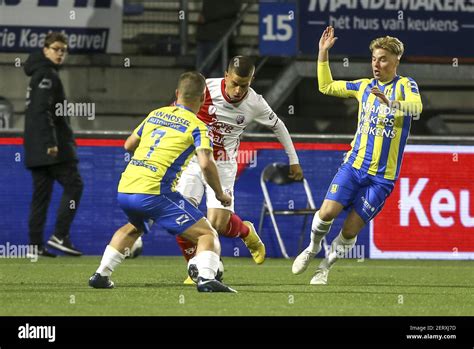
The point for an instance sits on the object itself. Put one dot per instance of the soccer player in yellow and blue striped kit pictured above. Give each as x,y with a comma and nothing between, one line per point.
387,103
163,145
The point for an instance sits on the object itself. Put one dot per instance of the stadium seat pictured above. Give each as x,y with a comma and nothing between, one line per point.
277,173
130,9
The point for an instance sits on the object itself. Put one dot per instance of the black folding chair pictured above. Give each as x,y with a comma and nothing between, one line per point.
277,173
6,113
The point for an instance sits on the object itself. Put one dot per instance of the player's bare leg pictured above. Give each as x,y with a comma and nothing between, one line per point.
204,236
114,255
230,225
189,247
329,210
219,218
342,244
321,225
125,237
204,266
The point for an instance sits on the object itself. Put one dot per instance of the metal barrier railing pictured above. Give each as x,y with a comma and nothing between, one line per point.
297,137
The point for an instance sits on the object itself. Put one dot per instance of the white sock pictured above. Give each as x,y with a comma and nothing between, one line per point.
110,260
319,229
339,247
207,263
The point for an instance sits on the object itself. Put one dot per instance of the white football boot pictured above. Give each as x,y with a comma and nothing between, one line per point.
320,277
302,261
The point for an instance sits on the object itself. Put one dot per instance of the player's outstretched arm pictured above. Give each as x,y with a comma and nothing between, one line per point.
326,84
267,117
131,143
283,136
209,169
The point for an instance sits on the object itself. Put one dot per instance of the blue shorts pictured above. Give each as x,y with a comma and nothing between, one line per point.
172,211
356,189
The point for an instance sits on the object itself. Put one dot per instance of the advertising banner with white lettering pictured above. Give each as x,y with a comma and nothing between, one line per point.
277,29
91,26
430,213
434,28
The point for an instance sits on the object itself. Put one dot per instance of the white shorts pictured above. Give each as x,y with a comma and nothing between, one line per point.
192,184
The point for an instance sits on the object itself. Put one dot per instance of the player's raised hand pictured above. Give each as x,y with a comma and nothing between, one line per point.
380,95
296,172
327,39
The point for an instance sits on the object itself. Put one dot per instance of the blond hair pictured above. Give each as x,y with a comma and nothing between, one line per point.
389,43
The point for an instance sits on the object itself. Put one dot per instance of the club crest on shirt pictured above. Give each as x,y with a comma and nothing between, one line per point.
211,110
240,119
334,188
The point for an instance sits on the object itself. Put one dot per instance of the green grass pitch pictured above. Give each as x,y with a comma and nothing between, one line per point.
153,286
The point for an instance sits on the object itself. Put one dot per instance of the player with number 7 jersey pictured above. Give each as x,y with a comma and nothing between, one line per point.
169,137
163,144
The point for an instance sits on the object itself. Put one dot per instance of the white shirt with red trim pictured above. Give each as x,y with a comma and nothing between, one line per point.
227,120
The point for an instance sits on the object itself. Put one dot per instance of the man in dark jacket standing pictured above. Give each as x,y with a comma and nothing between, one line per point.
50,149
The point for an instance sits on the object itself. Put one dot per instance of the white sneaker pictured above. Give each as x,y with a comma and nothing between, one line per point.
320,277
302,261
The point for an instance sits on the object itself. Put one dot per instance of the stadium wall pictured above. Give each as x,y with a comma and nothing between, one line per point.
429,214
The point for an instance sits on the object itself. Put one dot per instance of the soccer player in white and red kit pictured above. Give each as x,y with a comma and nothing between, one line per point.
230,106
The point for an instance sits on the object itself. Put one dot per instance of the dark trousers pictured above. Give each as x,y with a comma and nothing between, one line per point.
68,176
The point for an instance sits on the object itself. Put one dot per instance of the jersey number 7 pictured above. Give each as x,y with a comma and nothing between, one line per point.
160,134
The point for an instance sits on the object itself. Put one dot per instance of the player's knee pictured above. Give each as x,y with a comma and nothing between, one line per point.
214,241
130,230
349,233
211,232
326,214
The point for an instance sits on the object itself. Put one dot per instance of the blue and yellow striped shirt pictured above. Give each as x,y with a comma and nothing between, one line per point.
382,132
169,137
